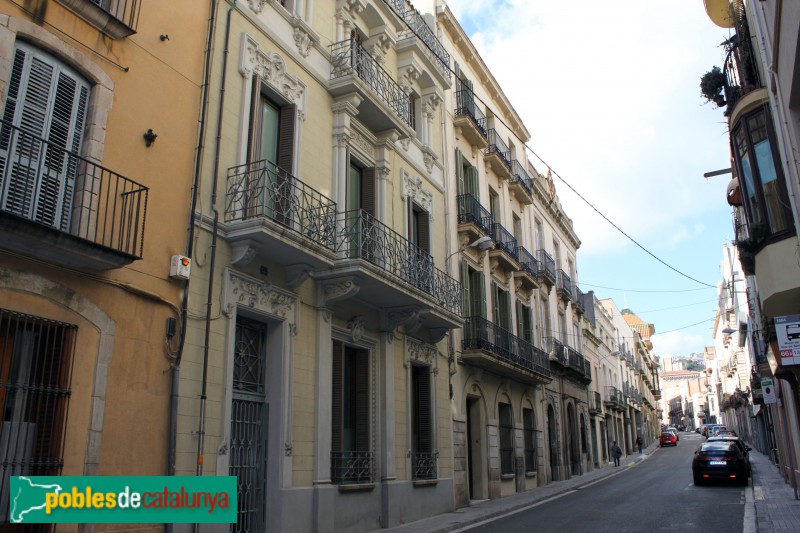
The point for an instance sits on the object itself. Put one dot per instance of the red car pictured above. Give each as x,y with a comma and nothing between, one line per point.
668,438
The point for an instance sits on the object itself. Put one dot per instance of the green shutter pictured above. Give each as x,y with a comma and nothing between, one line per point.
495,303
520,320
337,418
480,295
460,172
471,182
465,283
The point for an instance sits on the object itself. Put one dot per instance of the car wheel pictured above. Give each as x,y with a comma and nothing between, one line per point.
698,480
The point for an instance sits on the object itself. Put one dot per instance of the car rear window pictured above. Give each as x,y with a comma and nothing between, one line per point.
667,434
717,448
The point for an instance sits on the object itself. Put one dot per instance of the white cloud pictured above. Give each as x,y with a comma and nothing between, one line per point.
678,343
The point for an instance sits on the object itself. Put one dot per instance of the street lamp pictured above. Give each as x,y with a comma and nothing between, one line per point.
481,243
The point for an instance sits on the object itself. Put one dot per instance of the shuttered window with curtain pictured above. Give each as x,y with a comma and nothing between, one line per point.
48,101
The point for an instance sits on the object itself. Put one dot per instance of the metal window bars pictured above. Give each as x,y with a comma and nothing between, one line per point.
466,106
417,27
425,465
564,284
349,57
470,210
125,11
741,74
46,184
353,467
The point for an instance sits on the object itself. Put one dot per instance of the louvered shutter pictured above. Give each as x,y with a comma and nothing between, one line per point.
47,101
424,229
362,429
465,283
368,190
284,193
471,182
337,418
460,173
479,297
495,303
256,116
520,320
425,443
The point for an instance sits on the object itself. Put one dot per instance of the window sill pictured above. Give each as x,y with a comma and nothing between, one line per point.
505,477
356,487
531,474
425,482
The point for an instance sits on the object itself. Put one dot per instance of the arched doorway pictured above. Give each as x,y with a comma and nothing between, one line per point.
552,441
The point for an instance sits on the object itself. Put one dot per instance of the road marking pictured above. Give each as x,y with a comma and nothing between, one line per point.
522,509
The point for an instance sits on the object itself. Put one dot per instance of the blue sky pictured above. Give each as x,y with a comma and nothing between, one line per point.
609,92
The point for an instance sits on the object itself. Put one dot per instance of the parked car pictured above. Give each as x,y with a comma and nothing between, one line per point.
742,445
720,460
681,427
674,431
668,438
725,433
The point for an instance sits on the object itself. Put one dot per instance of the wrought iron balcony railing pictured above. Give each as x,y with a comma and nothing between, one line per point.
577,361
349,57
577,299
505,240
263,189
470,210
558,352
425,465
46,184
547,266
351,468
115,18
481,334
465,105
498,146
741,73
614,396
521,177
564,284
360,235
595,403
417,27
528,263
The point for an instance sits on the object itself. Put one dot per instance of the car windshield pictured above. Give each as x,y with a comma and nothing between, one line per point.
667,435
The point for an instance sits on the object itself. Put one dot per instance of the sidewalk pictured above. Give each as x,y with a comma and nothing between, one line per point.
478,512
776,508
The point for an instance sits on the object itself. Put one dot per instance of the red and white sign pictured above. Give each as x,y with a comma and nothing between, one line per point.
787,330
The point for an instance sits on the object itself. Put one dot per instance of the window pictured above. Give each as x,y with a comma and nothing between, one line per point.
419,227
506,429
544,324
562,327
517,224
351,456
46,100
538,234
494,205
361,188
557,254
576,336
501,302
272,128
524,322
467,176
35,383
422,424
766,201
474,291
529,436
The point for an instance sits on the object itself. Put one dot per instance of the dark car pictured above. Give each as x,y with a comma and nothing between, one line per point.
743,447
720,460
668,438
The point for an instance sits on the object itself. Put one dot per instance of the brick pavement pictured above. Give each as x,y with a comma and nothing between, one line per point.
776,509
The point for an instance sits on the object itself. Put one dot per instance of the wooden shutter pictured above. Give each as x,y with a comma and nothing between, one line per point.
362,429
520,320
337,418
495,303
424,229
368,190
254,151
424,415
465,283
479,296
460,172
471,182
286,137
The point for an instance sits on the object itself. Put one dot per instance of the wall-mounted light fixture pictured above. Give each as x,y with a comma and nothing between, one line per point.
164,37
150,137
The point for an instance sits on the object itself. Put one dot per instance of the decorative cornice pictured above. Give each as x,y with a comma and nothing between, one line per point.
258,295
421,352
271,69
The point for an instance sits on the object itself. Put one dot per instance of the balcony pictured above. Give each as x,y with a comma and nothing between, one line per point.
271,210
384,104
417,35
578,304
491,347
115,18
520,184
570,361
563,286
57,206
595,404
547,268
741,74
505,250
614,399
629,359
473,219
470,119
498,155
529,271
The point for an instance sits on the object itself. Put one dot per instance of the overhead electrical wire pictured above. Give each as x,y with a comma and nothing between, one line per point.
553,172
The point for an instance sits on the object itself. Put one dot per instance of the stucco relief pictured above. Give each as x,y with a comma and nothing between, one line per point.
421,351
270,67
302,41
258,295
256,6
414,187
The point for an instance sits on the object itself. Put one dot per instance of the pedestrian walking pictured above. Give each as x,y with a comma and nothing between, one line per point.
616,453
639,443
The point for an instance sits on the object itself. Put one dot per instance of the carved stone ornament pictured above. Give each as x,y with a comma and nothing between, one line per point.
258,295
414,187
256,5
302,40
340,289
363,144
429,159
296,275
356,327
271,69
243,252
353,7
422,352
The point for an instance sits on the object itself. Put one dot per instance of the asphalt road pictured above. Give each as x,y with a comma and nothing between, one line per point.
653,495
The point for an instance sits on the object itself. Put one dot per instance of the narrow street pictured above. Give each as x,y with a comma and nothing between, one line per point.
653,495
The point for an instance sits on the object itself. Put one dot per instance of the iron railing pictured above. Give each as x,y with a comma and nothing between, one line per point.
576,361
528,262
263,189
563,284
595,403
547,266
432,46
466,106
614,397
425,465
349,57
498,146
521,177
741,74
125,11
504,240
470,210
351,467
44,183
360,235
558,353
577,299
481,334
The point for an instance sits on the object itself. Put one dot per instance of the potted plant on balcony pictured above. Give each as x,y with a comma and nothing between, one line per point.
712,84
